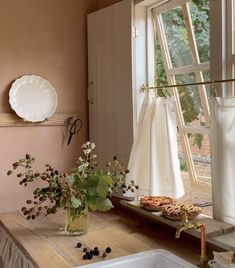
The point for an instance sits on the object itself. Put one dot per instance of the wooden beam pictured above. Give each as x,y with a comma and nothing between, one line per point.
190,68
12,120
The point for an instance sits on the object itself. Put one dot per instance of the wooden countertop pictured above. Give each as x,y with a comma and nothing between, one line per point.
46,246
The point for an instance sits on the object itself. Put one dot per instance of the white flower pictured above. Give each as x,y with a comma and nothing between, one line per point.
87,151
86,145
92,145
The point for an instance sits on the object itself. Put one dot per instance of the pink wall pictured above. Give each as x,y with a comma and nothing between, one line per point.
47,38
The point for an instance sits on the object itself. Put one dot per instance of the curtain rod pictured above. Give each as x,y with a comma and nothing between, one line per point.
190,84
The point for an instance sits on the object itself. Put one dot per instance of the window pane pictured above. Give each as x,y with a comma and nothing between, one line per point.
196,192
200,14
200,148
177,38
190,100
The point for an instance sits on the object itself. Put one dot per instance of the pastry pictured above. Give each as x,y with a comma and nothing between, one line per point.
155,203
176,212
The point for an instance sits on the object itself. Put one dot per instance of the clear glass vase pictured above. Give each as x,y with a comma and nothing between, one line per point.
77,221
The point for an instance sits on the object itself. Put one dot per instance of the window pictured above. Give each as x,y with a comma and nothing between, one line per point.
182,48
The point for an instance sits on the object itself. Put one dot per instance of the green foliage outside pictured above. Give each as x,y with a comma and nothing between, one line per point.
180,53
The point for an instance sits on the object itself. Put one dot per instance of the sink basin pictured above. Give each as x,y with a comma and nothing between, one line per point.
158,258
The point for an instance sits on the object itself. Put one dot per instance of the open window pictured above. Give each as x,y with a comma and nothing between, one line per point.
182,34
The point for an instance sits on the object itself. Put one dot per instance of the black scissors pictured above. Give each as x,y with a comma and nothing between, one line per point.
74,129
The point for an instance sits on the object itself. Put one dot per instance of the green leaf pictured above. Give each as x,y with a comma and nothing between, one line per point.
91,192
70,179
92,181
103,186
92,206
101,191
75,202
103,204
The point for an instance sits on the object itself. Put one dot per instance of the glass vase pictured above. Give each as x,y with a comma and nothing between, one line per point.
77,221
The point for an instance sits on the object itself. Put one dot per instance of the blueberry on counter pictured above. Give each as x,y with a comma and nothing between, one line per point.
108,250
96,252
79,245
92,252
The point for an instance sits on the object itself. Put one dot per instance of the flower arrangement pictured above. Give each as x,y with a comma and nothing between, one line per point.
88,186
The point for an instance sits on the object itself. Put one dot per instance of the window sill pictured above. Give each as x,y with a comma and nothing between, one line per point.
214,228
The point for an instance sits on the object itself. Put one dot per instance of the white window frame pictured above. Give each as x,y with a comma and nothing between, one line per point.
222,40
196,67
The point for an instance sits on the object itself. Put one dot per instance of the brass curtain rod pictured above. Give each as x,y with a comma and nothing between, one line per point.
190,84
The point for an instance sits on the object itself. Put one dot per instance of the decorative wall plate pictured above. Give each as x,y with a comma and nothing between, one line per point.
33,98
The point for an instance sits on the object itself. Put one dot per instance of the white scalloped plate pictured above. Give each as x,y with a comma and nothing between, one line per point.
33,98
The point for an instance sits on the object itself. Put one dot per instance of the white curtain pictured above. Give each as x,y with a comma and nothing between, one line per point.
154,163
223,158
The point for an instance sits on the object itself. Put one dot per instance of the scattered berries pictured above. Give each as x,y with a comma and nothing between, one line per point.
9,172
108,250
92,252
96,253
79,245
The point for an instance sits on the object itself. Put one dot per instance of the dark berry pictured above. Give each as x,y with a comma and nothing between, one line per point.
79,245
9,172
104,255
90,256
96,248
115,157
28,217
108,250
92,252
27,156
85,250
137,187
96,252
85,257
28,201
33,217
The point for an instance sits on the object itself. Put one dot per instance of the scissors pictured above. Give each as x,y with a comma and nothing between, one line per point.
74,129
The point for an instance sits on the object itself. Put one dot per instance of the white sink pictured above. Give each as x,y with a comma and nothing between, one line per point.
158,258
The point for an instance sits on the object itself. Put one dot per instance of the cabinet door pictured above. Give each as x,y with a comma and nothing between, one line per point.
110,81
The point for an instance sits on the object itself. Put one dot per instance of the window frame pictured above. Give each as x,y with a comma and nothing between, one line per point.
196,67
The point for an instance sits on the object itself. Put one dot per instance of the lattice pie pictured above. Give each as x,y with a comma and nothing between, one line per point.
175,211
155,203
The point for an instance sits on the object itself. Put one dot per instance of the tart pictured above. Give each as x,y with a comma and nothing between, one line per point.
155,203
176,212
